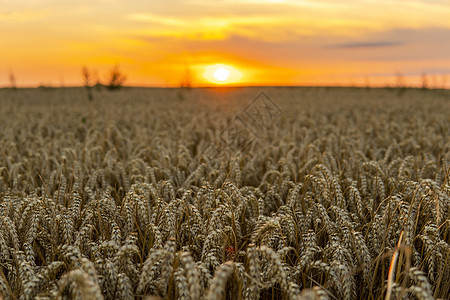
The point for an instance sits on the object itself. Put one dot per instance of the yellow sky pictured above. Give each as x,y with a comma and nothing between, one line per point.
274,42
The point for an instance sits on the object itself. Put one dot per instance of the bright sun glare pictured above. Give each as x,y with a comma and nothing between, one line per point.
222,74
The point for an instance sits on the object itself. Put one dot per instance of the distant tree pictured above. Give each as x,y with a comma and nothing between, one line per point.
116,78
399,80
367,82
87,81
12,80
434,82
424,81
96,79
400,84
185,83
186,79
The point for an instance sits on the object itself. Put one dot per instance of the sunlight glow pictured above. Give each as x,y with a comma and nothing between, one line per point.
222,74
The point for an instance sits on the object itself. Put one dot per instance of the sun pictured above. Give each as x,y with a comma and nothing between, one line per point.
222,74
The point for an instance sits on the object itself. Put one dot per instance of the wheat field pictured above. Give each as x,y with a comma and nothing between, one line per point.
344,193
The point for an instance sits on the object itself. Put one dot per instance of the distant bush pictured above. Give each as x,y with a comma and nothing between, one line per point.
12,80
185,83
116,78
88,82
424,79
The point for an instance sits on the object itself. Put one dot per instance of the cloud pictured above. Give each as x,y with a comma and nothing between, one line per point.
21,16
388,46
152,18
381,44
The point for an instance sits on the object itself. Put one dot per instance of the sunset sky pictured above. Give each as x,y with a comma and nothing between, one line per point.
321,42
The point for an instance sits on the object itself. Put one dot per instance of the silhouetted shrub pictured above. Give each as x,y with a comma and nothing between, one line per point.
116,78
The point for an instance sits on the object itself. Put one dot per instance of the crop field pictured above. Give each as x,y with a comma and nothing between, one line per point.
227,193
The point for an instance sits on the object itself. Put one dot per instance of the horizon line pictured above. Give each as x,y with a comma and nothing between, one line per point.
228,87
